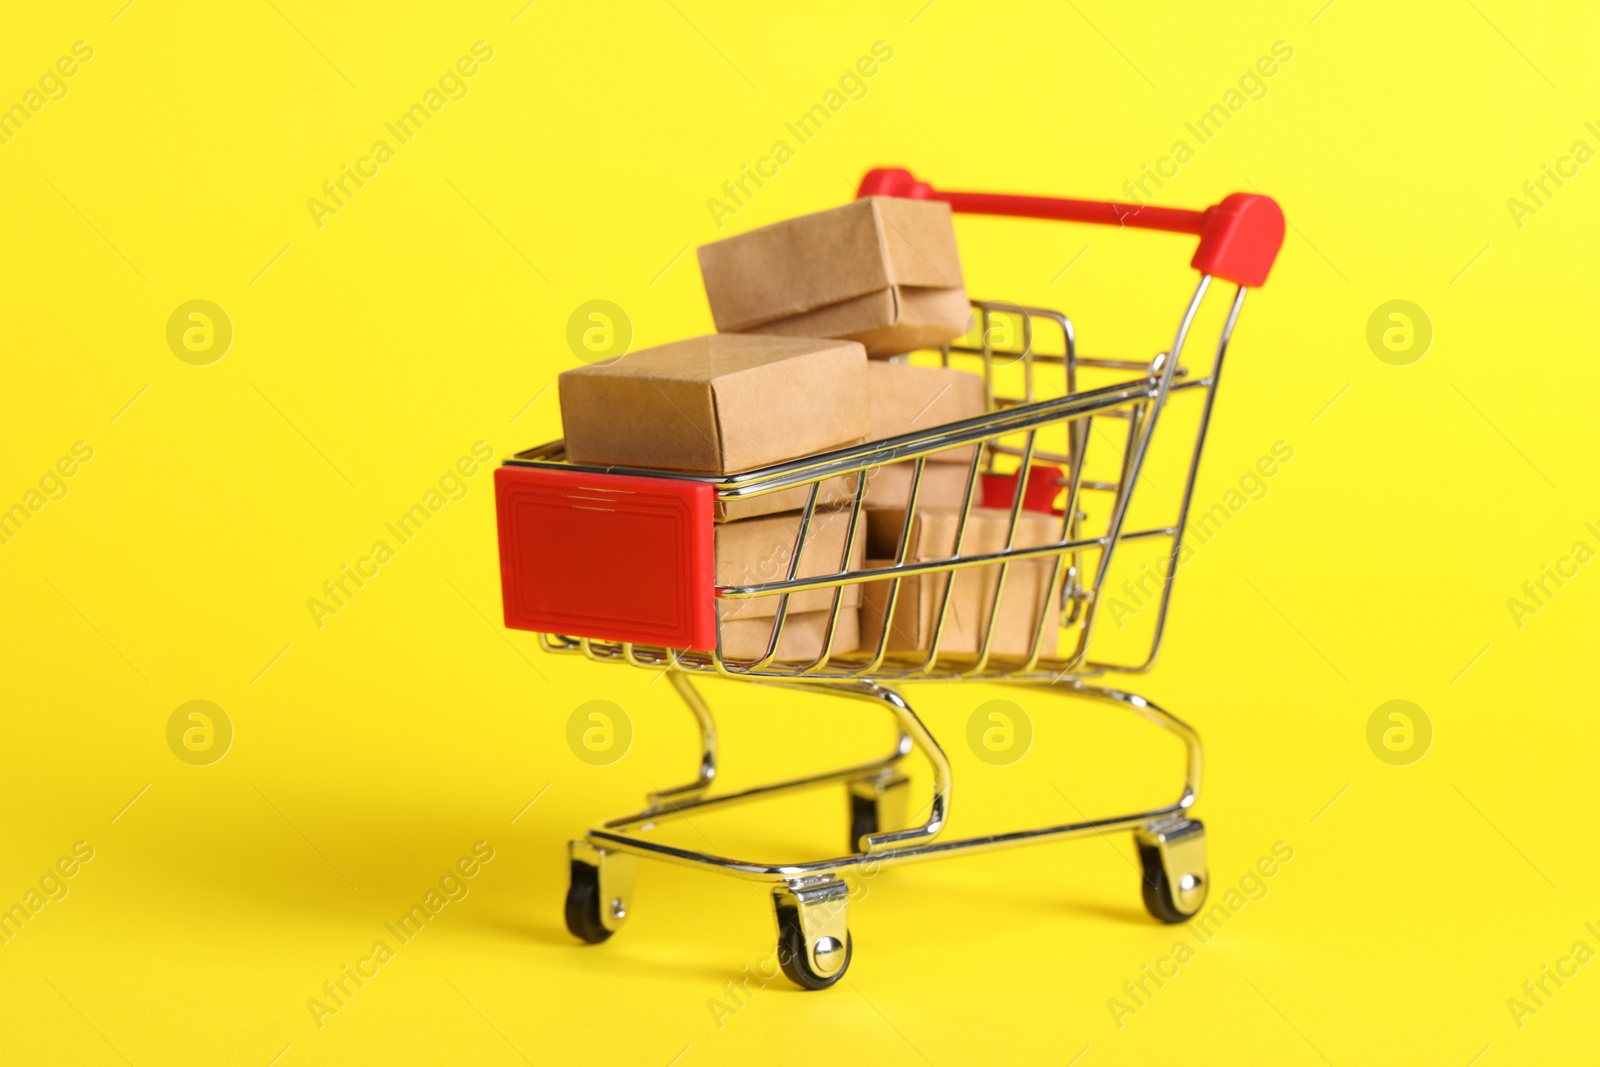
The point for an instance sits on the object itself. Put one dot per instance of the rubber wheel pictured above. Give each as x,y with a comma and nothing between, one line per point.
796,961
863,820
583,904
1159,899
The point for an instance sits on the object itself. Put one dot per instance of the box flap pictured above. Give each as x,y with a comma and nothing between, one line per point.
921,242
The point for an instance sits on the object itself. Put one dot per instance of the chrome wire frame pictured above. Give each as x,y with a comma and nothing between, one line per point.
869,674
1138,402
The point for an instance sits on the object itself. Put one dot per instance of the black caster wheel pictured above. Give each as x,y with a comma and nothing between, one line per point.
1175,880
583,904
600,893
796,961
877,804
863,820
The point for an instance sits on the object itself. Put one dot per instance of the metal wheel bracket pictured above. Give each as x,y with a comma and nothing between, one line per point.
822,906
1181,844
889,791
616,872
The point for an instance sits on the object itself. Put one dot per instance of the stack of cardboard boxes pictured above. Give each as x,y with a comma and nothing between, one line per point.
808,311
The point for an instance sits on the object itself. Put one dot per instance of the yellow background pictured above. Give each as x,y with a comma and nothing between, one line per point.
431,310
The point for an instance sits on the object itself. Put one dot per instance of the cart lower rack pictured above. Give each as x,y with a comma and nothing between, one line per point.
616,565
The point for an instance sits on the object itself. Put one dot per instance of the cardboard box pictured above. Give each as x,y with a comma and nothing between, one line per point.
944,486
835,492
717,404
757,551
882,271
907,397
746,639
903,397
1028,586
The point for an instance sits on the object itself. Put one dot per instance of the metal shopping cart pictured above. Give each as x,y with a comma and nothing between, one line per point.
616,566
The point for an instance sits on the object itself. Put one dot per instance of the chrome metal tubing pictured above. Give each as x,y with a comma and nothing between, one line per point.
909,846
1210,383
696,789
665,806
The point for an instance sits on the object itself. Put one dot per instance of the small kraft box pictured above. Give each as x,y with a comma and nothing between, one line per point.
1028,589
719,404
801,641
757,551
907,397
943,486
882,270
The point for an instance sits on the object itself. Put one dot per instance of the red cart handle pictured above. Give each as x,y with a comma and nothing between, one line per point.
1239,237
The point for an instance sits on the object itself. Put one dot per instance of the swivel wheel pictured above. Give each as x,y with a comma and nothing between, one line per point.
814,945
600,892
1172,854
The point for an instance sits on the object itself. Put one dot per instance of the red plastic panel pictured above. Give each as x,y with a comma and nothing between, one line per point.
608,556
1044,484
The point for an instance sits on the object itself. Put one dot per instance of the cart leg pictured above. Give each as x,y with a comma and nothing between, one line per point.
912,732
814,946
708,747
1172,849
911,726
600,894
881,802
1151,712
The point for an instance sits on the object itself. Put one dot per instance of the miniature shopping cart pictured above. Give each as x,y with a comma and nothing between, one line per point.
616,565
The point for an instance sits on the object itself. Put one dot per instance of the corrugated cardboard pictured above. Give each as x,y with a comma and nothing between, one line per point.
907,397
882,271
1028,586
717,404
904,397
834,492
757,551
746,639
944,485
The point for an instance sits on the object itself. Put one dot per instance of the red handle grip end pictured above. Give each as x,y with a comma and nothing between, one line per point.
1240,239
893,181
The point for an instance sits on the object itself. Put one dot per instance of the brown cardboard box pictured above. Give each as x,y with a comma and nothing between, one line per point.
904,397
757,551
907,397
836,492
944,486
882,271
717,404
1028,586
746,639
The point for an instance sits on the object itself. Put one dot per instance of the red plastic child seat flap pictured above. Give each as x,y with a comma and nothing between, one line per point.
1044,485
608,556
